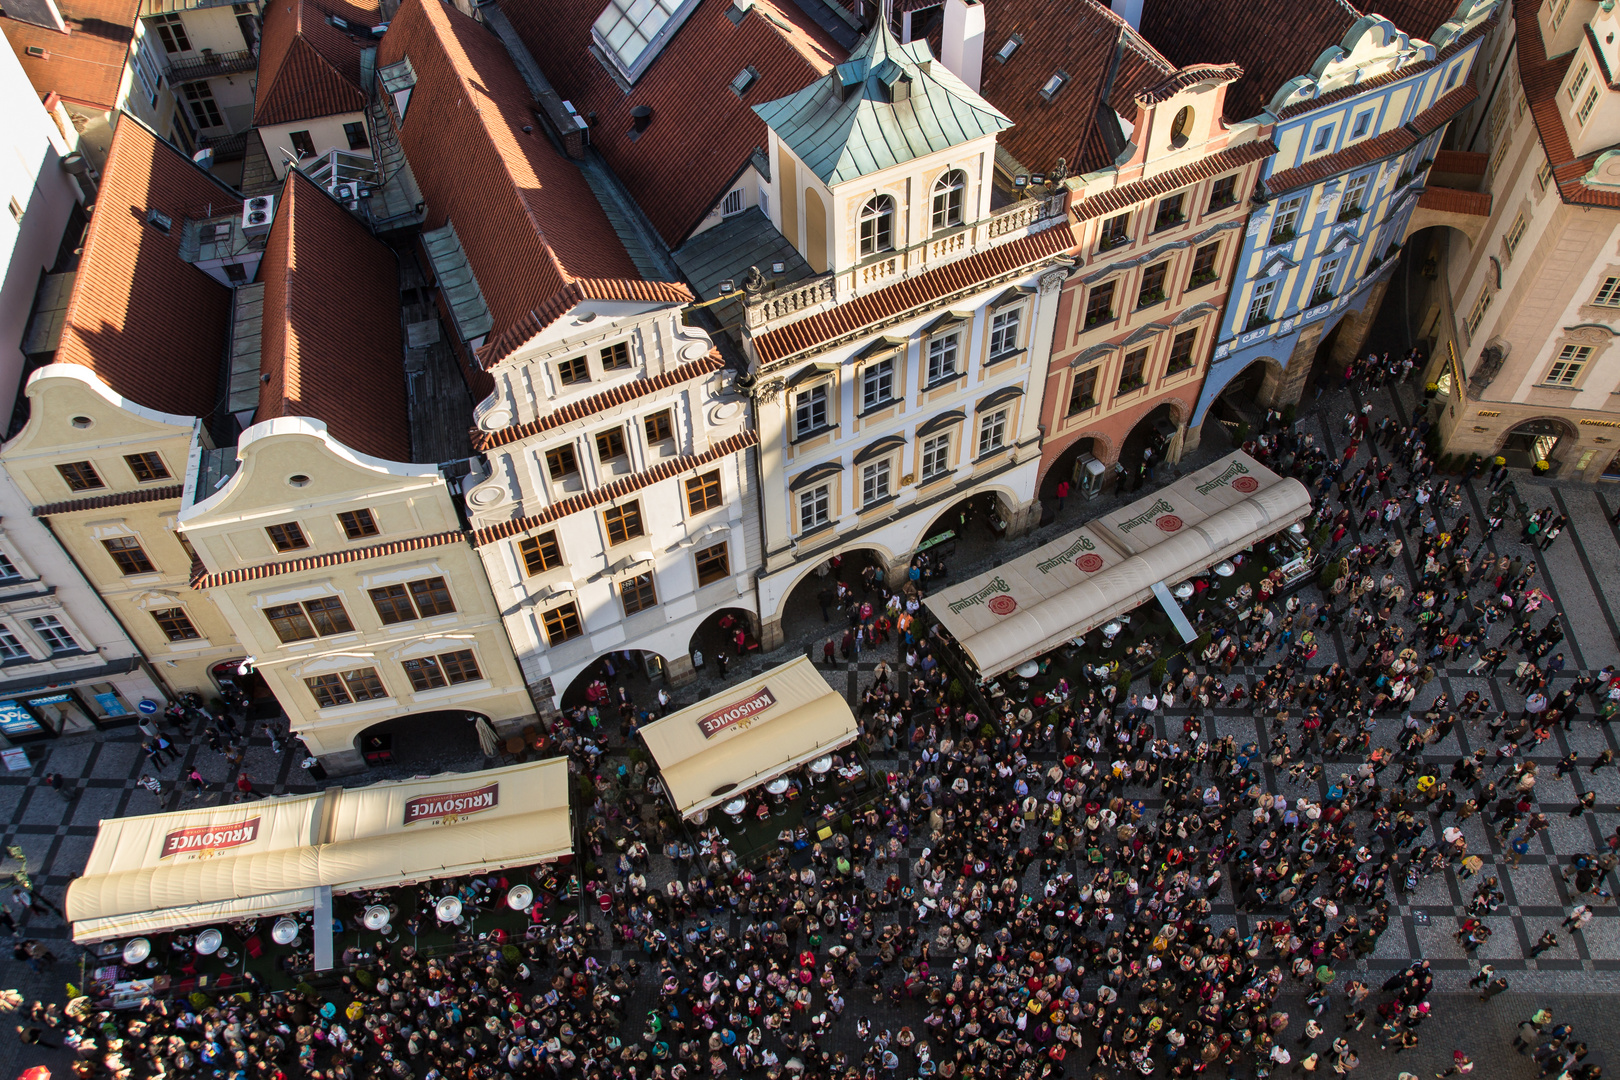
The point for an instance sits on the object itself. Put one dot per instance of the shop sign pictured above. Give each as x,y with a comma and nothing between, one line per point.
455,805
111,705
736,713
204,840
16,720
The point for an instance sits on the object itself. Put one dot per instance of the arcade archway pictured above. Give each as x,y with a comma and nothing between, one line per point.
717,634
442,740
640,673
1536,440
1147,443
811,611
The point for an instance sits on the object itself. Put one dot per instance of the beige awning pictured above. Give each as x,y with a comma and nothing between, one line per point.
165,871
748,735
1109,566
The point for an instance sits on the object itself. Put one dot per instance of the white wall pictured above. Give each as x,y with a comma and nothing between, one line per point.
326,132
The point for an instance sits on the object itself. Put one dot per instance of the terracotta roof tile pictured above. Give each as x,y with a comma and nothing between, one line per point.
608,399
918,292
1460,162
86,65
537,238
101,502
201,579
331,340
619,488
1452,201
150,325
701,132
1379,147
1215,164
1186,77
1541,76
308,67
512,338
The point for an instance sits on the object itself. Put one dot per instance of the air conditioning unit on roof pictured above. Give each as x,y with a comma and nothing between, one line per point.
257,214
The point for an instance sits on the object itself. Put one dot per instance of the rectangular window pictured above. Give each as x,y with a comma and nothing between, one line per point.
1223,193
356,134
1115,231
364,685
1567,368
1282,226
171,30
1004,331
1363,122
1322,288
874,483
713,564
1084,394
1132,373
562,623
1609,294
53,634
200,100
877,384
175,625
303,145
1355,193
1477,315
561,462
734,199
540,553
609,444
1544,175
1169,213
573,370
1152,291
8,569
1260,304
127,552
328,691
616,357
1558,13
1578,81
146,70
10,647
658,427
1324,136
1181,351
328,616
147,467
393,604
623,522
357,524
80,475
424,673
460,666
432,597
1203,267
993,432
287,537
346,688
936,456
942,357
638,593
432,672
289,623
1585,110
815,507
1515,234
703,492
1100,304
810,411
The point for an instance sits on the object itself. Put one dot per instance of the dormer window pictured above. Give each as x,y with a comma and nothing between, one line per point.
1005,53
1053,85
948,199
877,225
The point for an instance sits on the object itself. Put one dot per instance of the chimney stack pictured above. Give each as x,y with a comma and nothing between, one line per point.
962,43
1130,11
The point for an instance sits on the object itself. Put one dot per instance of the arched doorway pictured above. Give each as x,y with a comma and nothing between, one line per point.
716,635
640,673
439,741
241,687
1327,372
1147,443
1243,401
1537,440
812,611
1067,466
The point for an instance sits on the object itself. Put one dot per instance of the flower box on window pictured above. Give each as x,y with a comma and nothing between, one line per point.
1258,321
1151,297
1350,213
1282,235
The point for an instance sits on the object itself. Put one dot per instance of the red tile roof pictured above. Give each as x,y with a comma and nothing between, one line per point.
1116,199
535,235
1541,76
1460,162
1186,77
202,579
150,325
1379,147
701,133
331,340
916,293
619,488
101,502
589,406
1452,201
86,65
1107,63
308,67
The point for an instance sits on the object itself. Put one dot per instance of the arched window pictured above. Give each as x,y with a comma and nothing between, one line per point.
1181,128
948,199
877,225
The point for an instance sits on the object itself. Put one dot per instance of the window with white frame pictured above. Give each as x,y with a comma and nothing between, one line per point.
1544,174
55,636
1558,13
877,225
10,647
948,193
810,410
1567,368
733,203
8,569
1282,226
1322,288
1477,314
1578,81
877,384
992,432
146,67
1355,193
936,456
1608,294
942,357
1584,113
1004,331
815,507
1260,304
630,32
1515,234
874,482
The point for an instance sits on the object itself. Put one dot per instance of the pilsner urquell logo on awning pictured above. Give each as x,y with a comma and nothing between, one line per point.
721,719
455,804
206,839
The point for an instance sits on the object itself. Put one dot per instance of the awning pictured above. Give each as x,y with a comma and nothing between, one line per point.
191,867
1109,566
748,735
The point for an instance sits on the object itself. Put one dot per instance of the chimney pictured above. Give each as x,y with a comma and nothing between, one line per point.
1130,11
962,45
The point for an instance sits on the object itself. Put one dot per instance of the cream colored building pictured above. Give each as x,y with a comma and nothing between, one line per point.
211,50
1526,356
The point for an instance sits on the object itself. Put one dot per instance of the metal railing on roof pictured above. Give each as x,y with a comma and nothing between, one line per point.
211,65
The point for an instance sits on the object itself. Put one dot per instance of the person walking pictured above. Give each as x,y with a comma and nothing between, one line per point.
1460,1063
1548,940
1530,1030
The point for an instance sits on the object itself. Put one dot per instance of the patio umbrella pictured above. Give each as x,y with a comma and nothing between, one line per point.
10,1000
487,738
38,1072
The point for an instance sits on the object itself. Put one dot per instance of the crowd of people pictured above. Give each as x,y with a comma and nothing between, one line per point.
1029,893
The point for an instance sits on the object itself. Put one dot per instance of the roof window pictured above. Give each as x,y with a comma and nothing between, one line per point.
631,32
1054,84
160,221
1005,53
745,78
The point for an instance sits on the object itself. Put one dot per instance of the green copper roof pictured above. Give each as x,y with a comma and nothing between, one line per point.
889,103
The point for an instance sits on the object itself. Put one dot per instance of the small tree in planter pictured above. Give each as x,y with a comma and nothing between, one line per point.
1161,672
